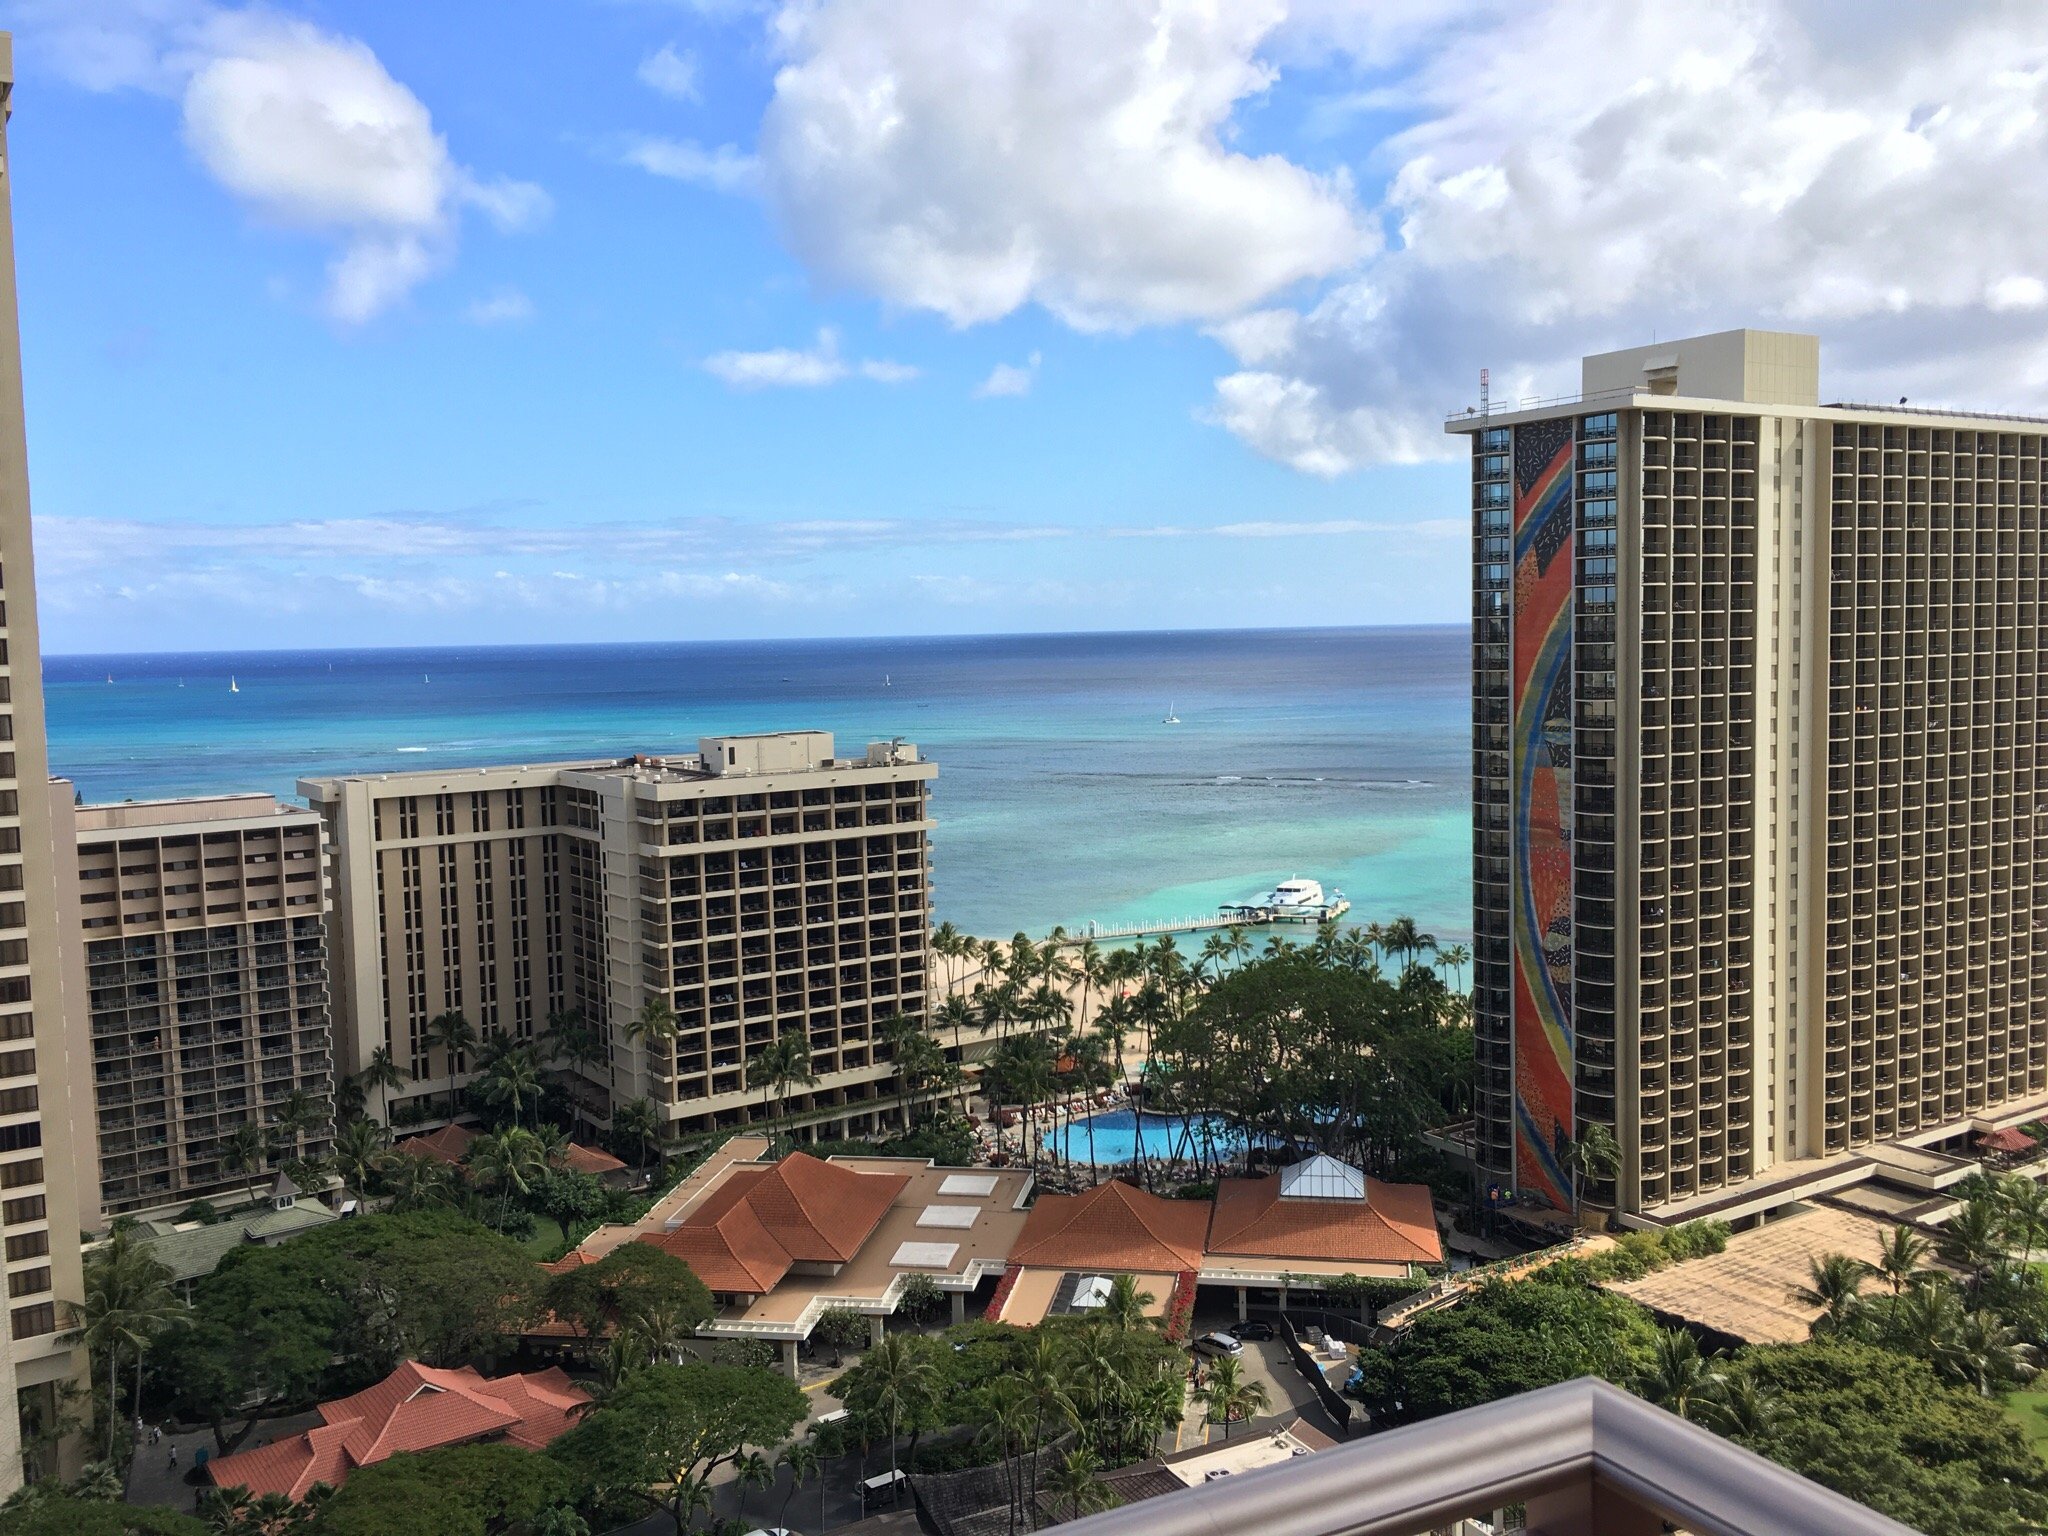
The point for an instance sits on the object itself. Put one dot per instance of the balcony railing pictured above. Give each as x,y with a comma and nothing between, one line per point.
1585,1458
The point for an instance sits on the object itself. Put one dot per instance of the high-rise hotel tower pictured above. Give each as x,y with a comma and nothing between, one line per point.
41,1206
1755,682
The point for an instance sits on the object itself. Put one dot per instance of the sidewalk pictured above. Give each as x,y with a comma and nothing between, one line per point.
153,1481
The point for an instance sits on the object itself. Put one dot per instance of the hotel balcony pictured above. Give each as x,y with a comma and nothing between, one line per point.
1583,1458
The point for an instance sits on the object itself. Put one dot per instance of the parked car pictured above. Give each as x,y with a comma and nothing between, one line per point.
1255,1329
1218,1344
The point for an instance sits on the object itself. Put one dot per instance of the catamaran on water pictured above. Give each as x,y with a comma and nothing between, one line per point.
1291,901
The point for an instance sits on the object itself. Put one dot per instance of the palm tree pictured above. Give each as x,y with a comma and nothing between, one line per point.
127,1302
297,1113
750,1469
1836,1287
1595,1156
2025,1203
1454,958
1919,1320
1900,1254
453,1033
640,1122
899,1378
510,1160
244,1152
1974,1240
417,1182
359,1152
1741,1410
949,944
655,1024
382,1074
1075,1485
578,1049
800,1459
1985,1354
1230,1397
783,1065
512,1082
1677,1375
1007,1418
552,1143
1124,1309
1401,937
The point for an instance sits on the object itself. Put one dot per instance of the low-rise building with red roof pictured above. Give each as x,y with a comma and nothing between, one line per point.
1312,1222
450,1144
779,1243
415,1408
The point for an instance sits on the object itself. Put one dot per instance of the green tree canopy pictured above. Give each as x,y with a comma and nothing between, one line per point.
268,1325
633,1282
482,1488
666,1428
1507,1337
1883,1429
1319,1047
47,1512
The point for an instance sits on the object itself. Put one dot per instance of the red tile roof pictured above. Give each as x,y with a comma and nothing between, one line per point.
747,1232
415,1408
1393,1224
2010,1139
1113,1226
590,1160
449,1144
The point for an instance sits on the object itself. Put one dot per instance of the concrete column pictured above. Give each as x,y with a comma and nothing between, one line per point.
959,1308
874,1327
1283,1295
789,1364
1243,1311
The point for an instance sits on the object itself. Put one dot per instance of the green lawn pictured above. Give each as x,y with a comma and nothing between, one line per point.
2030,1411
549,1241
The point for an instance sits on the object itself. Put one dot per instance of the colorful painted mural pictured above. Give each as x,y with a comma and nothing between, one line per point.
1542,703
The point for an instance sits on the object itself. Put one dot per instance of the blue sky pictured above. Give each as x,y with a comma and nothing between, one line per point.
507,320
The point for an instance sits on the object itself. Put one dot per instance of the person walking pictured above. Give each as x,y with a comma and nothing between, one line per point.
172,1465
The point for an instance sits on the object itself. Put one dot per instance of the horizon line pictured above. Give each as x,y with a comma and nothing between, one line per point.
770,640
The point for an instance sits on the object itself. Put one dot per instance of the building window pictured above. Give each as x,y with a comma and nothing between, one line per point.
31,1322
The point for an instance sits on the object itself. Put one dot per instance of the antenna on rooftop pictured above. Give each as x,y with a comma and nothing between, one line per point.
1485,391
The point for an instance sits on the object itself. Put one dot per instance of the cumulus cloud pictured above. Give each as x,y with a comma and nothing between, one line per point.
791,368
1782,163
971,160
1009,379
306,128
670,72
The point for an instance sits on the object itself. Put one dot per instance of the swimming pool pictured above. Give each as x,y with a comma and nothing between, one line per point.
1116,1134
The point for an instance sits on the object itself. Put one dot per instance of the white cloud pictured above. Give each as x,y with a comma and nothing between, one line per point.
724,169
789,368
973,159
1006,379
671,73
305,127
502,306
1782,163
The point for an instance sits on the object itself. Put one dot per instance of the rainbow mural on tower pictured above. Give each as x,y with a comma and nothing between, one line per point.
1542,894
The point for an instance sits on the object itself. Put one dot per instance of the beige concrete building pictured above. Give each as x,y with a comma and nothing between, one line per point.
761,886
1755,778
39,1196
203,955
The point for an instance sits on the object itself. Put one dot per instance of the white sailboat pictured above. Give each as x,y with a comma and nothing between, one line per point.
1171,717
233,686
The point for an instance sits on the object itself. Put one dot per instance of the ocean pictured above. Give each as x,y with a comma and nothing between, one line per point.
1340,755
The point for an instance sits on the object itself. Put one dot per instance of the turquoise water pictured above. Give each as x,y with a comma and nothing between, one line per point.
1117,1135
1342,755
